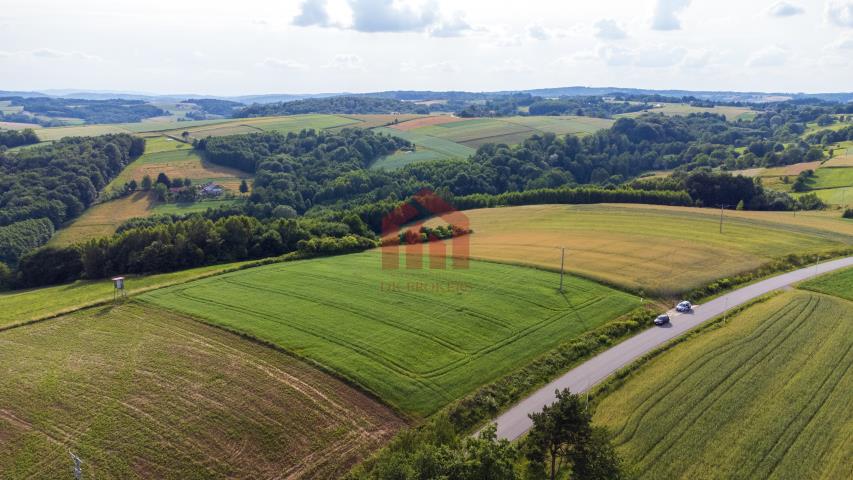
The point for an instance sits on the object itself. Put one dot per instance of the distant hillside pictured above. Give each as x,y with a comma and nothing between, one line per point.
334,105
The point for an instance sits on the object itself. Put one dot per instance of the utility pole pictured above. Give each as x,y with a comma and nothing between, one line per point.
562,262
721,216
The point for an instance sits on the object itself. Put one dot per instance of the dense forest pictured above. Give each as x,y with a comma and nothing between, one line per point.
526,104
215,106
58,181
310,170
343,104
90,111
21,237
16,138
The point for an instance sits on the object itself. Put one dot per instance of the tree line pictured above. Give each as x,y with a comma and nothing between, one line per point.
167,244
90,111
16,138
563,443
338,104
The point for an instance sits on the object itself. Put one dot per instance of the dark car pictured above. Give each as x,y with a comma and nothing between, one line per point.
662,320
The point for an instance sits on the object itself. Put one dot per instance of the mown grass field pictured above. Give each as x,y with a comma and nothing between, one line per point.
766,395
731,113
22,306
663,251
104,219
839,284
417,338
177,163
140,392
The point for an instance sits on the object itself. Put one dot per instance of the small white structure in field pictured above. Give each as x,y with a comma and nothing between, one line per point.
118,291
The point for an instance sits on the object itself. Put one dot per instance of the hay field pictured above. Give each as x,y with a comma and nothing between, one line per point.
662,251
425,122
104,218
381,120
139,392
417,338
766,395
731,113
56,133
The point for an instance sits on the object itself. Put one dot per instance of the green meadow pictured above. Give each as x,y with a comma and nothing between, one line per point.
417,338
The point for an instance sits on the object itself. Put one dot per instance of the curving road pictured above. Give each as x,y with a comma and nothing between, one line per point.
514,422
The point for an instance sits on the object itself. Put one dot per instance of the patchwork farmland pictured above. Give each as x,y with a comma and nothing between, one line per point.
442,137
663,251
418,339
765,395
140,392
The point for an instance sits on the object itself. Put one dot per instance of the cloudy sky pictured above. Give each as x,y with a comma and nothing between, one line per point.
311,46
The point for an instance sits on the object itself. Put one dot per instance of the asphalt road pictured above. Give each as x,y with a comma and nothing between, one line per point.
514,422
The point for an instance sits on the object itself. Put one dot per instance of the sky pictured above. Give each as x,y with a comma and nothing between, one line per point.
318,46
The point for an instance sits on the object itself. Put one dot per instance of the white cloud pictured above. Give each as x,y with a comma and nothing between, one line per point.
282,64
52,54
346,61
843,43
437,67
615,56
773,56
785,9
512,66
538,32
840,13
608,29
386,16
454,26
312,12
666,12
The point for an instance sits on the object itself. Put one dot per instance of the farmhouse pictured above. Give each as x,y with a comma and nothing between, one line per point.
212,190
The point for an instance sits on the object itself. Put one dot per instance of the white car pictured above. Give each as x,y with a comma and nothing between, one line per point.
684,306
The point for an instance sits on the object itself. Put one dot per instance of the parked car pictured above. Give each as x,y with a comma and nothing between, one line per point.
662,320
684,306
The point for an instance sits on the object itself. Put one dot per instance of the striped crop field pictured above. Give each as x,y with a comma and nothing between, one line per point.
764,395
417,338
140,392
663,251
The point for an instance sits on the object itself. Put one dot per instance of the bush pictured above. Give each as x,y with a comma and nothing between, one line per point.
847,213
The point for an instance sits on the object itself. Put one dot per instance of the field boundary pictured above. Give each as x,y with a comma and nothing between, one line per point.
409,419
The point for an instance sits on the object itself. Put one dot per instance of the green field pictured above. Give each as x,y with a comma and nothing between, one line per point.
460,139
839,284
428,148
831,178
139,392
663,251
766,395
22,306
418,339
